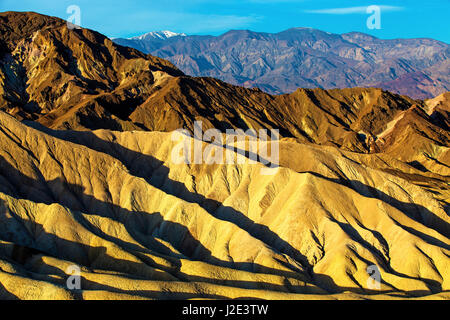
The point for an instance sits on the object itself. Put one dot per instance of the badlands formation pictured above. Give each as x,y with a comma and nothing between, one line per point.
87,179
306,58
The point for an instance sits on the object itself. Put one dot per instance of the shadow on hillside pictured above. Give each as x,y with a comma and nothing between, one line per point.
143,227
39,242
6,295
414,211
85,256
157,174
43,243
382,261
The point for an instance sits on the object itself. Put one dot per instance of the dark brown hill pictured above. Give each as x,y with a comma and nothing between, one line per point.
79,79
47,68
140,226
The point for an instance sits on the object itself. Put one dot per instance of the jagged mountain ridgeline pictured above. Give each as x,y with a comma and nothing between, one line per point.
87,179
308,58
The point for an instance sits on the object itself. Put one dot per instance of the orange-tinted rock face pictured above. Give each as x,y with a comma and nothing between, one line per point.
78,79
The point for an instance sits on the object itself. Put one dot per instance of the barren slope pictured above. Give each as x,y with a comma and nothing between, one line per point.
143,227
79,79
363,180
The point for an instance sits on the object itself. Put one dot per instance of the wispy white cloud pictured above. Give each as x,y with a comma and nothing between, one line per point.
212,22
275,1
353,10
191,23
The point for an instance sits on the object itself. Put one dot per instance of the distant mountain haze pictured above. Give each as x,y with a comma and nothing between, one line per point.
303,57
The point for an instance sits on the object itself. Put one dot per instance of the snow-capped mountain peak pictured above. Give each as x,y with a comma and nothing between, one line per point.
163,35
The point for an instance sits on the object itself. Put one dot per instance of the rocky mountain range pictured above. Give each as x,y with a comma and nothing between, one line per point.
308,58
87,179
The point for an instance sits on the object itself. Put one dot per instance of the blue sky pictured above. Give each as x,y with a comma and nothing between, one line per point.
125,18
